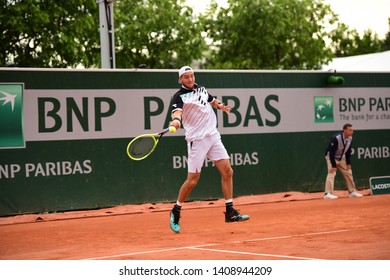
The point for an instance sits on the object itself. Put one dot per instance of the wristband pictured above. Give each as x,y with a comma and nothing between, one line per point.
176,119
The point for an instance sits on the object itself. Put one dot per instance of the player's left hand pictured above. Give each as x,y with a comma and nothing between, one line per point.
224,108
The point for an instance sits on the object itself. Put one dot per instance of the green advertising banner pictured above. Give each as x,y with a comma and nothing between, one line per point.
380,185
64,134
11,116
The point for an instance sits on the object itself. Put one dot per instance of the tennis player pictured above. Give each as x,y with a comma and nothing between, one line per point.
338,156
192,107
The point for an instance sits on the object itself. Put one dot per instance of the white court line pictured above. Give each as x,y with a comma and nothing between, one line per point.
253,254
148,252
198,247
295,235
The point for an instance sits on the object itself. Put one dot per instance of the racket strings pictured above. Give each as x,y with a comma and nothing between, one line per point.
142,146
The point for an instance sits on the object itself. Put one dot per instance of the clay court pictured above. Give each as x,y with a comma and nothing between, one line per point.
282,226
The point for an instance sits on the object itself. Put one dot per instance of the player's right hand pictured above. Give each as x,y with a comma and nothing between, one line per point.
175,123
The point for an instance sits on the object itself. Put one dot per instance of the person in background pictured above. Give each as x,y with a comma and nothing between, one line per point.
338,156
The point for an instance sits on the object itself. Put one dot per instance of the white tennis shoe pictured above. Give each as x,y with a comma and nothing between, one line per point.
330,196
355,194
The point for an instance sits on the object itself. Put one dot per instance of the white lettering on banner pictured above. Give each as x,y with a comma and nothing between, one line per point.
236,159
372,152
381,186
9,171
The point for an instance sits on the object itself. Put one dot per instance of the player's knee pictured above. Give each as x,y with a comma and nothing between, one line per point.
331,176
228,172
191,182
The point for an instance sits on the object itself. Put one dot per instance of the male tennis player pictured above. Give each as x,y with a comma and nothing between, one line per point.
192,107
338,156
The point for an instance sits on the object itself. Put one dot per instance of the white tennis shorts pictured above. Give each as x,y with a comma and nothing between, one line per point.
210,147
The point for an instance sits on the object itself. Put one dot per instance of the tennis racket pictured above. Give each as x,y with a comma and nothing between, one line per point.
143,145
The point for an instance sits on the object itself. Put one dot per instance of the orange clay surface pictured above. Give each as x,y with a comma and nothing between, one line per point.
282,226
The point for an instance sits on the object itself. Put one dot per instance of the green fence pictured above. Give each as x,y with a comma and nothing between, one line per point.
70,129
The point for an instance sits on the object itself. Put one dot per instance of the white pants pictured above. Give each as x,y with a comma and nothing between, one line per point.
347,174
210,147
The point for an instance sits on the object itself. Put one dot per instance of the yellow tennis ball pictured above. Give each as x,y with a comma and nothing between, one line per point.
172,129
